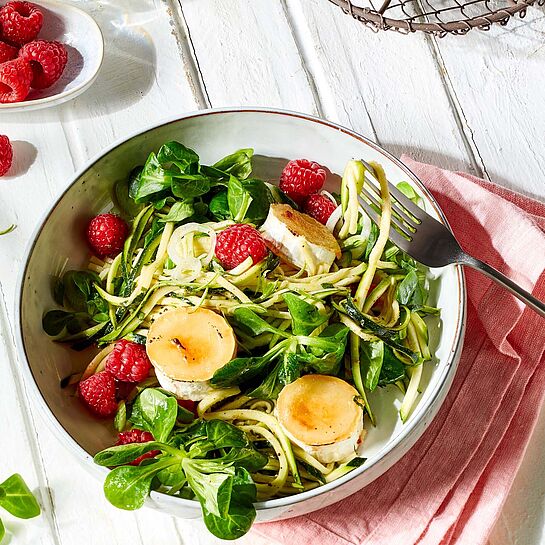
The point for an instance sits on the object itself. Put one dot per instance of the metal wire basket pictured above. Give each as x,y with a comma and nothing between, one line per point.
438,17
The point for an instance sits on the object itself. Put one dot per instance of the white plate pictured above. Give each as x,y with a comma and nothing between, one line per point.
83,39
276,137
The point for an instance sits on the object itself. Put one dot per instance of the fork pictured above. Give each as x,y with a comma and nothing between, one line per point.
427,240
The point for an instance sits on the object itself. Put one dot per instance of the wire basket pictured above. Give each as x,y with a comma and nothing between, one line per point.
438,17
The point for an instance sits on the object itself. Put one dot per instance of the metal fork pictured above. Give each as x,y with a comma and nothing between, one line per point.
428,241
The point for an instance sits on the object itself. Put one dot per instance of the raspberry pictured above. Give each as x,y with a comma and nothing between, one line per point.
137,436
106,234
98,393
189,405
238,242
319,207
128,361
301,178
15,78
47,60
7,52
6,154
20,21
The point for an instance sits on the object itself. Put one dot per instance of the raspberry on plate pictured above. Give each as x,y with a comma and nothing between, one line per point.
98,393
7,52
15,78
128,362
301,178
47,60
319,207
236,243
137,436
20,22
6,154
106,234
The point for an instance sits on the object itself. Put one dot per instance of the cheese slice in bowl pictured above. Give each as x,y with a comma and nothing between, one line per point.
186,347
299,239
319,414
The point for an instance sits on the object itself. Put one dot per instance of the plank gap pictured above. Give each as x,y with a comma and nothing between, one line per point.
187,52
29,424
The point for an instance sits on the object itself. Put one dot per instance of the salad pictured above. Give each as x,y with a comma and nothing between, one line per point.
238,328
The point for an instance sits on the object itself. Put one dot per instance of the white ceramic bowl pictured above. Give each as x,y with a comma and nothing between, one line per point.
276,137
83,39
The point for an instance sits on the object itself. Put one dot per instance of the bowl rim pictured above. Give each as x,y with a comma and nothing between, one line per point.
66,95
396,448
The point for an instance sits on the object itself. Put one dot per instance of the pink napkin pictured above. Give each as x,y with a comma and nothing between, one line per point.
450,487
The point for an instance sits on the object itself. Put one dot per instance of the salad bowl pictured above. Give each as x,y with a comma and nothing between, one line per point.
276,136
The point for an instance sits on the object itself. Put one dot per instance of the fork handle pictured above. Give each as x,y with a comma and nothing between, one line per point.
515,289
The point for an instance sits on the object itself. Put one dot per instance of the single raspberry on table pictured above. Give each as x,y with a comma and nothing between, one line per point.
98,393
47,60
301,178
7,52
15,78
106,234
137,436
20,22
6,154
236,243
319,207
128,362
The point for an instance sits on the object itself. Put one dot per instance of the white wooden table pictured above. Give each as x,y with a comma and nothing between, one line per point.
473,103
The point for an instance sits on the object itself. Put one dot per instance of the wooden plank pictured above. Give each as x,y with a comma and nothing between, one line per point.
497,78
384,85
247,54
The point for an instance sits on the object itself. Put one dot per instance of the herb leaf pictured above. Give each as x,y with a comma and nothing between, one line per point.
17,499
155,412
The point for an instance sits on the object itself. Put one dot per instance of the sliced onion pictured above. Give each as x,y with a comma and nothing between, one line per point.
334,218
175,241
329,196
188,270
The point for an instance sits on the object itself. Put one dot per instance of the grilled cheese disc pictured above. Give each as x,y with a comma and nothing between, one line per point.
186,347
319,414
299,239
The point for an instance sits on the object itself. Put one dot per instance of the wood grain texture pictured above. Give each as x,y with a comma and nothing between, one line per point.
498,78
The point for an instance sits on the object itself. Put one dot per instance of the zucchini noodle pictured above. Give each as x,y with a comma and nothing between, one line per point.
377,339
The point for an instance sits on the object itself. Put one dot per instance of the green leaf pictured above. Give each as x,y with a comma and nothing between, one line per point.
324,354
219,207
241,512
372,355
305,316
179,211
153,181
219,434
253,324
125,454
155,412
261,200
392,370
189,186
2,530
238,164
17,499
239,370
54,322
285,371
238,199
247,457
127,487
122,194
177,154
213,489
371,240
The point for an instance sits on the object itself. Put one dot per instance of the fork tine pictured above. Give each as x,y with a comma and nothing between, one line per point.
403,200
398,224
394,236
397,209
